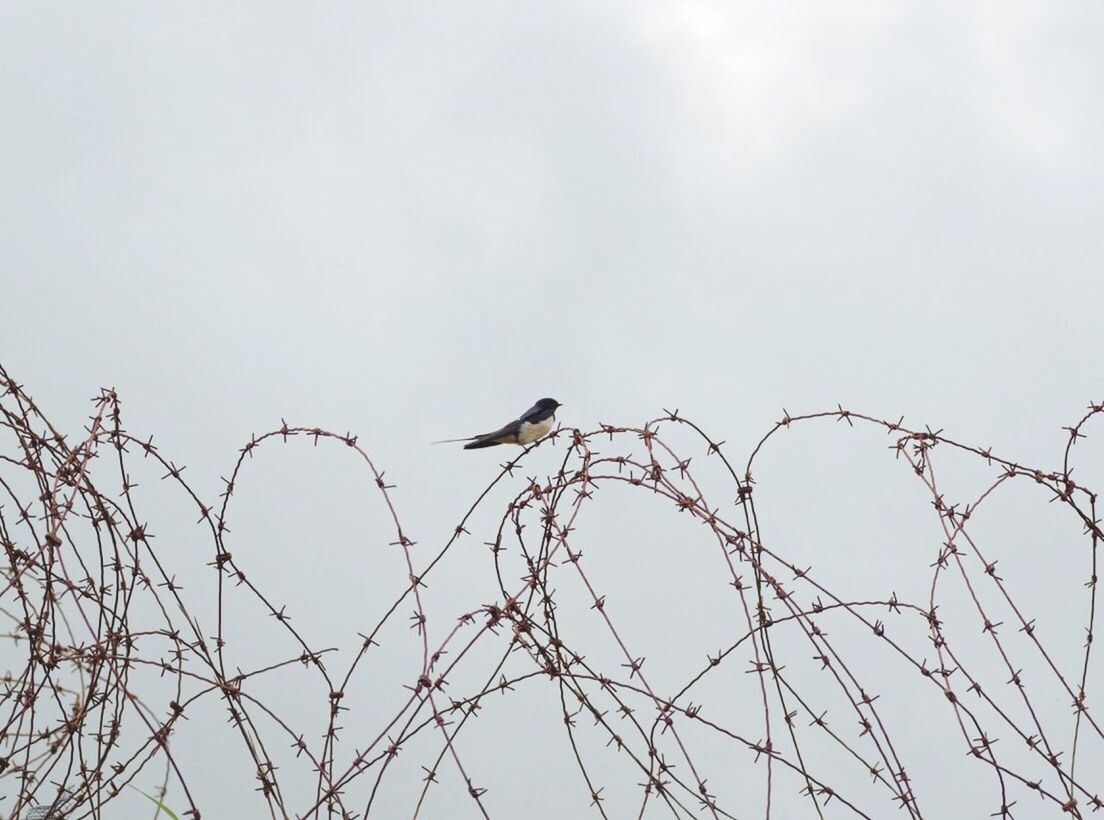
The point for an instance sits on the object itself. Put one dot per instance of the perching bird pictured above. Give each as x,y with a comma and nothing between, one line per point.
534,423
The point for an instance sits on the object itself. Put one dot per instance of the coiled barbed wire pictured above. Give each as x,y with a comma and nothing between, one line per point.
91,609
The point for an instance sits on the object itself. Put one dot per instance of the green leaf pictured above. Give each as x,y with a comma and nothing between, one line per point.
161,806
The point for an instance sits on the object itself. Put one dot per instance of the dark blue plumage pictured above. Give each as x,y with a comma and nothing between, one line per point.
533,424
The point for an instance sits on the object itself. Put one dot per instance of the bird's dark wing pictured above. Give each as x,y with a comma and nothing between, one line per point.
533,414
507,434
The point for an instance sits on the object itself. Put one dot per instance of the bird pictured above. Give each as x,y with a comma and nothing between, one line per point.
535,423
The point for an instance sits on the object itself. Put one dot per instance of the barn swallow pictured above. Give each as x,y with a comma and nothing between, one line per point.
533,424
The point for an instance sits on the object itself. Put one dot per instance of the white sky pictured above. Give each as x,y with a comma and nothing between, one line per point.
411,220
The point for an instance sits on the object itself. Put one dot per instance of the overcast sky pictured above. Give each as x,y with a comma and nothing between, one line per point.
410,221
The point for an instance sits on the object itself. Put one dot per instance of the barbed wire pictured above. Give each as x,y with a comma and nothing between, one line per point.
93,613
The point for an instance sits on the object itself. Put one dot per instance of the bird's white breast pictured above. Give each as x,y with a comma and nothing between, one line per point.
530,431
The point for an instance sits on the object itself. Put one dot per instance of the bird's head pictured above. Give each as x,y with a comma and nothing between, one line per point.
548,405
